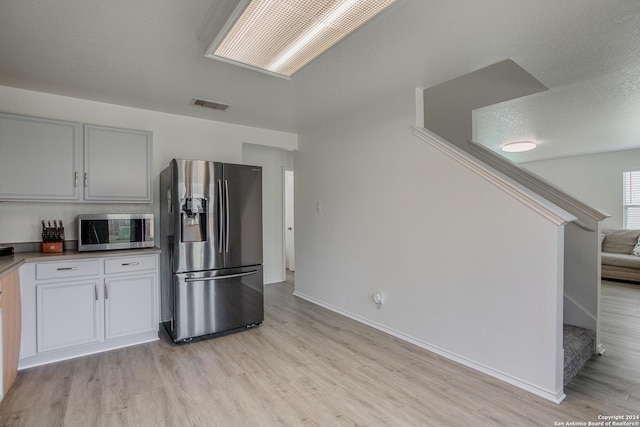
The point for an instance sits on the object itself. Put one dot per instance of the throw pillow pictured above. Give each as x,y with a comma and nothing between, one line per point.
636,248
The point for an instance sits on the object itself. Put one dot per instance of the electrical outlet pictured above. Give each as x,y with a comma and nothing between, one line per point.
377,298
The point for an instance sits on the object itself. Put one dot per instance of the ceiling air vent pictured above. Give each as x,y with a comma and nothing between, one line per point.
209,104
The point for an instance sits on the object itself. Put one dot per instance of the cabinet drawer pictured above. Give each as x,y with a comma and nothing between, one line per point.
129,264
64,269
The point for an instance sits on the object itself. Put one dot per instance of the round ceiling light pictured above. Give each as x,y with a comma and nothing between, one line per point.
519,147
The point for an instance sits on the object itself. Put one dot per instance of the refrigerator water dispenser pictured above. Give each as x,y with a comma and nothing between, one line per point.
193,220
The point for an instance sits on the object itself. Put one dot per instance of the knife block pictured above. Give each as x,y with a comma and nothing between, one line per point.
51,247
52,237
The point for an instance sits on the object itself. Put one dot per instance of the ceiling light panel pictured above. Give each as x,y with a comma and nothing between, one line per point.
519,147
282,36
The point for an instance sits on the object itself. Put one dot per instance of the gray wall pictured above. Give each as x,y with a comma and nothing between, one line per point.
173,137
464,267
595,179
273,162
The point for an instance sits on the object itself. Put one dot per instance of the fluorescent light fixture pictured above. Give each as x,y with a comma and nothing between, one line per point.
519,147
282,36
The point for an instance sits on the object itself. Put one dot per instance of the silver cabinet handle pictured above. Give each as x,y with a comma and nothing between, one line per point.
95,288
106,291
66,268
130,263
228,276
86,179
75,179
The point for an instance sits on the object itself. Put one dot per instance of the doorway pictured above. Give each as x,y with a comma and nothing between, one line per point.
289,229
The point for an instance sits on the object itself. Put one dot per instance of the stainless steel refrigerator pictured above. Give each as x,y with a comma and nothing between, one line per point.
211,240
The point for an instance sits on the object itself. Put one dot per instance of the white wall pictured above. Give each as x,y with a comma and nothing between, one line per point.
173,137
582,277
289,241
273,162
465,269
595,179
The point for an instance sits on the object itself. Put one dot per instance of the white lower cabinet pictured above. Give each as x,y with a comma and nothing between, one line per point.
86,306
67,314
129,304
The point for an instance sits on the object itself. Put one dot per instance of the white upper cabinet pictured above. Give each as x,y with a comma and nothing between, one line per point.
39,159
117,164
49,160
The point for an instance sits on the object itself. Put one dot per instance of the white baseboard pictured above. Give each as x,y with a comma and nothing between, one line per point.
86,350
531,388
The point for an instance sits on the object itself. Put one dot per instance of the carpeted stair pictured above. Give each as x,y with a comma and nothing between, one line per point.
579,346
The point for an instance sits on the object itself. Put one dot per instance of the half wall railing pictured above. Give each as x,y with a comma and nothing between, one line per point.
582,240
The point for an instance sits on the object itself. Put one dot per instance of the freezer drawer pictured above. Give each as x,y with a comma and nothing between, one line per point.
216,301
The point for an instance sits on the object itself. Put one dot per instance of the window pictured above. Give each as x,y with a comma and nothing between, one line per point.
631,200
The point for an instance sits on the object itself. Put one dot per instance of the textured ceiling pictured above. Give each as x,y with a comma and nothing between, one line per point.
147,54
591,116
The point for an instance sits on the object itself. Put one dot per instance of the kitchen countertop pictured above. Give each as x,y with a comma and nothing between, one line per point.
10,263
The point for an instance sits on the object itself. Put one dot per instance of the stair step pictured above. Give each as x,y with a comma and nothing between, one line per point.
579,346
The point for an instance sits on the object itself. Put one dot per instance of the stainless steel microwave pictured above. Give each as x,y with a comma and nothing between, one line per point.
103,232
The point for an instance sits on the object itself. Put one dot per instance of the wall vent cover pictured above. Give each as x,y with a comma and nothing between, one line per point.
209,104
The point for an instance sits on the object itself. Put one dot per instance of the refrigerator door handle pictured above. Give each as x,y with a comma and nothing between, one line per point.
228,276
226,202
220,216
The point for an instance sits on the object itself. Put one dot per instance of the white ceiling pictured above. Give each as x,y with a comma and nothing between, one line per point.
147,54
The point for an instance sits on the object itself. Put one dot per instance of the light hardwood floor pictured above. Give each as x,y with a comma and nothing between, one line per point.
308,366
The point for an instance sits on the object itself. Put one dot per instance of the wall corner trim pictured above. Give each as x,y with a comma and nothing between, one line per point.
542,206
419,107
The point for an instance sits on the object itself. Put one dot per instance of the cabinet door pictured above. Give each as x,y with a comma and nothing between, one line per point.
39,158
11,317
130,305
117,164
67,314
